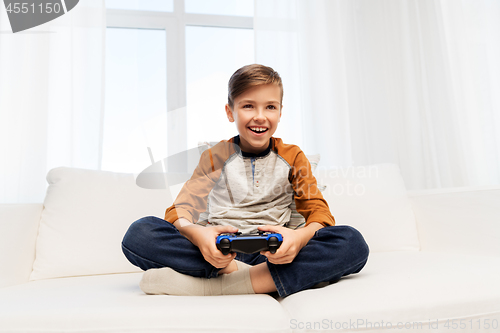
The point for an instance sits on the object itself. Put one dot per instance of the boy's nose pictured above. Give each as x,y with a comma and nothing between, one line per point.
259,115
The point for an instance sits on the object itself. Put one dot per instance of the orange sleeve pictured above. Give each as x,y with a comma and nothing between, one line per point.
308,198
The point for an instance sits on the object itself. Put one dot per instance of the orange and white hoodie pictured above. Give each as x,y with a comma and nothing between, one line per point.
247,190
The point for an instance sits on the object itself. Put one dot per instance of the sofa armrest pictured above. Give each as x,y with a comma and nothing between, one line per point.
18,232
460,220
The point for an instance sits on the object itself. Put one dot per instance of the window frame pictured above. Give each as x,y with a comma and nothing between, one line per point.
174,23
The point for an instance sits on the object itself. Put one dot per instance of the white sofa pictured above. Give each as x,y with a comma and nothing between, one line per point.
434,263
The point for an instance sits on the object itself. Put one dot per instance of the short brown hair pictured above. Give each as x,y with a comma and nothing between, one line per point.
250,76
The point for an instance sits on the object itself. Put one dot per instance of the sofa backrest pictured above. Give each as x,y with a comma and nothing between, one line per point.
459,220
372,199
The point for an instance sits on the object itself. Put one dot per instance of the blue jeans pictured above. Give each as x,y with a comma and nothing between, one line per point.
333,252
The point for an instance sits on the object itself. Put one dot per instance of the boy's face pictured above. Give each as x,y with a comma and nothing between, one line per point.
256,113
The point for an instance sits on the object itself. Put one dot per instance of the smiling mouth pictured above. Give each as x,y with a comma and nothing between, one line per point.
258,130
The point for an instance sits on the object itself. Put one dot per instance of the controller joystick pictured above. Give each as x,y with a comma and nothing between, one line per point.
273,244
224,246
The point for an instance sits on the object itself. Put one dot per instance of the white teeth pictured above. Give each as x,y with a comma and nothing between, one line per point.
258,129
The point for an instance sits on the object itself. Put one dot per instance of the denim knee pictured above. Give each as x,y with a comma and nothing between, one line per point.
139,241
135,230
139,232
357,243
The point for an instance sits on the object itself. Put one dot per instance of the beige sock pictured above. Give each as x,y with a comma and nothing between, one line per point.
241,265
166,281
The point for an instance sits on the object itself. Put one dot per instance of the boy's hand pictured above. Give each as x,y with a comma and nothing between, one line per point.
292,244
205,239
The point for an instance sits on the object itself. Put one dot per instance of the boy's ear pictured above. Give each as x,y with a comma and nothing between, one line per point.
229,113
281,109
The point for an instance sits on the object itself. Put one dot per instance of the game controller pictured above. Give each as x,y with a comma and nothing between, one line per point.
249,243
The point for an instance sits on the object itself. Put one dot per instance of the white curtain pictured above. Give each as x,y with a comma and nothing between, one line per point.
412,82
51,99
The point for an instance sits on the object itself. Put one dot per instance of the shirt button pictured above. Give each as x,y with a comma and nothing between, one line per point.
257,183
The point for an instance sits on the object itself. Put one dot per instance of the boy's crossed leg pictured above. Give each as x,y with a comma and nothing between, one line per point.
313,264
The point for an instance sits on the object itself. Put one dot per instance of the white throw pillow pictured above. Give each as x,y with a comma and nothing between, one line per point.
86,214
373,200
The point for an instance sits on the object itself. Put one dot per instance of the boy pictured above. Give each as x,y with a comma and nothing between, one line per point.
249,183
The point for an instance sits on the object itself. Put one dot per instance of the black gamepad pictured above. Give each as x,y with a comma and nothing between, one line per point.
249,243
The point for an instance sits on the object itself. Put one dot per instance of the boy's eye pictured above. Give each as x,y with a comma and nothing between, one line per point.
272,107
250,105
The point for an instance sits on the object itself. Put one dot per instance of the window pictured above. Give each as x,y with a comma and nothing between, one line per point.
212,56
151,5
167,68
220,7
135,106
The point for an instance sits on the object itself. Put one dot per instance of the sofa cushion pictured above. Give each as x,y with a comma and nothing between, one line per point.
373,200
114,303
86,214
403,289
459,220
